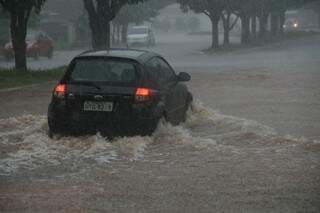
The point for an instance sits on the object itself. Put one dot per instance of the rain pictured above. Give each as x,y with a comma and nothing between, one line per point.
248,140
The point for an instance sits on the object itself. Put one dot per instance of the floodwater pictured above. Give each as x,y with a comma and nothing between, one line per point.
25,144
251,142
225,161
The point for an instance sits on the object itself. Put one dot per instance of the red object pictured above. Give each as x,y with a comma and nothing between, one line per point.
143,94
60,88
37,44
60,91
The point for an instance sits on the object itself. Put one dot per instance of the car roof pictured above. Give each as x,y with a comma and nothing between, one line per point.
133,54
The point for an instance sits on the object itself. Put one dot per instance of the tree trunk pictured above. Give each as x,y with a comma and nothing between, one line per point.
99,31
226,29
119,34
245,28
99,22
274,23
263,22
113,37
226,36
18,28
108,35
215,31
254,26
19,46
124,33
282,19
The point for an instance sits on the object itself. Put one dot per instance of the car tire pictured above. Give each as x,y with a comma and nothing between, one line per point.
188,106
148,128
52,131
50,53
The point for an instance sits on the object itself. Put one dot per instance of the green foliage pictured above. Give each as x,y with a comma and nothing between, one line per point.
136,13
143,11
17,5
245,10
202,6
205,6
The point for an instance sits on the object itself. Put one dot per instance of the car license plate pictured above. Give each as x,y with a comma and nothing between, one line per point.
98,106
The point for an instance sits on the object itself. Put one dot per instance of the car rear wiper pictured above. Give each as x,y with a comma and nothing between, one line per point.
86,83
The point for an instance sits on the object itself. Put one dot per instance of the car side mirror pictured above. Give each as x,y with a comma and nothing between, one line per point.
183,76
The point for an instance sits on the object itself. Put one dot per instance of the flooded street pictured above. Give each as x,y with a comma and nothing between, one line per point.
251,142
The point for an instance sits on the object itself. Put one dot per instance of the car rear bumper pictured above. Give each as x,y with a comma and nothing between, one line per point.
136,122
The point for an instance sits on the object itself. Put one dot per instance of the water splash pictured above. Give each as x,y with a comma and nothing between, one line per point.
24,142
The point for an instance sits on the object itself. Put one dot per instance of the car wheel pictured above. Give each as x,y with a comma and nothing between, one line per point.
56,127
184,113
53,131
187,107
50,53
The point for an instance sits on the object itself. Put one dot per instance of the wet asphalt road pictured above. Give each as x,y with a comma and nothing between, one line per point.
265,157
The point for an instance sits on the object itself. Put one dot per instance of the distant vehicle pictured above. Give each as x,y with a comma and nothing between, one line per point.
141,35
37,44
118,92
292,25
293,20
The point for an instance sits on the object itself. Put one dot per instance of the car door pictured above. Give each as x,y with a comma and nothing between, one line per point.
175,92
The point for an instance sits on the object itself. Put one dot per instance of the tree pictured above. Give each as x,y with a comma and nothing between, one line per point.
4,28
138,13
101,13
228,21
211,8
19,12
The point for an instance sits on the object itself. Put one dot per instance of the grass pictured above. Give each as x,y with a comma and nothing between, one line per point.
287,36
10,78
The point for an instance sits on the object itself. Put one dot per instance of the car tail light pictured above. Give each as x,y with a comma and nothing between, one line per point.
143,94
60,91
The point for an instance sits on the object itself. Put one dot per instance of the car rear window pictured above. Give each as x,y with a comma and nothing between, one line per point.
103,70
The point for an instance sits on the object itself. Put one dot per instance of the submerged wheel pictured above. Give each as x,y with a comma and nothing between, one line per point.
187,107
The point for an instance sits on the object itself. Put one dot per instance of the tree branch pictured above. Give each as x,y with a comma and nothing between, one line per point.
234,23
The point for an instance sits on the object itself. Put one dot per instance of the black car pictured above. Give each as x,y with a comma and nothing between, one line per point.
118,92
